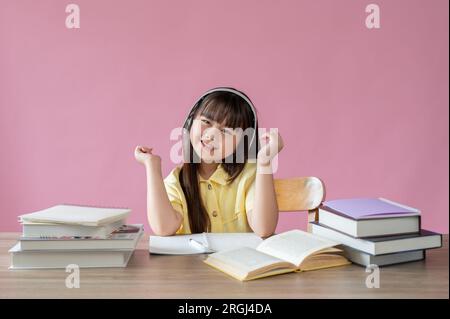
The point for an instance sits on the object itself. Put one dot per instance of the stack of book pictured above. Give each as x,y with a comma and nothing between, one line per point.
85,236
375,230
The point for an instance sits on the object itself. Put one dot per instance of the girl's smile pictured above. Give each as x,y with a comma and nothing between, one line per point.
208,147
211,140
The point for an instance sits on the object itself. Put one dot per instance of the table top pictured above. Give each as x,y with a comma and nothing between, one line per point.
158,276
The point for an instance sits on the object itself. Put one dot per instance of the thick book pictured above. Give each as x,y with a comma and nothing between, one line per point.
76,215
369,217
21,259
382,245
48,230
364,259
201,243
292,251
125,237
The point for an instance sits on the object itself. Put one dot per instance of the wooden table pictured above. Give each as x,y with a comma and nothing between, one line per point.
152,276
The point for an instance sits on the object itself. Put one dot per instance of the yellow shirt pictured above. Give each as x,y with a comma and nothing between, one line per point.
226,204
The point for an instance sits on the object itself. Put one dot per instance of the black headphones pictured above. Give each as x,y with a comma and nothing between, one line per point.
189,119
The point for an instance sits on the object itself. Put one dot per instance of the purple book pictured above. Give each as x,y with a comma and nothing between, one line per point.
366,208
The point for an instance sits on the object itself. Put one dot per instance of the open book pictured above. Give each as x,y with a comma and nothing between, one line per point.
291,251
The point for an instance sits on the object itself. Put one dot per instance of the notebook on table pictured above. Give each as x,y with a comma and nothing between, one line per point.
201,243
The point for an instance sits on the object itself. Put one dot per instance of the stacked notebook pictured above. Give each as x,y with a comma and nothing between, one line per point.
69,234
375,230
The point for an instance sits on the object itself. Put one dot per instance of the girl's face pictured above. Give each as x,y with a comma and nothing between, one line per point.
213,141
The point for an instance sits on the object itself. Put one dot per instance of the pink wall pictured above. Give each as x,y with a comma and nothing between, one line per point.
365,110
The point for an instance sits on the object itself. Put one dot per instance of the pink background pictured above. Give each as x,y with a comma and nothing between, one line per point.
365,110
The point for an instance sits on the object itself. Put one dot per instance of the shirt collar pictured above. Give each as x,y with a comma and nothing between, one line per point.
220,176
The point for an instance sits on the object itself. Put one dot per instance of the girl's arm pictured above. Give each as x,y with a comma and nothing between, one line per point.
162,217
263,218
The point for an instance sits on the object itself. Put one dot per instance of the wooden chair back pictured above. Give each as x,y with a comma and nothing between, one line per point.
300,194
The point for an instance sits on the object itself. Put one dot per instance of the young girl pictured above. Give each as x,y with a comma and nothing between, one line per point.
210,192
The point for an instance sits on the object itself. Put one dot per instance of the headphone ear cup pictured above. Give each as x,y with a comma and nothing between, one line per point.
186,140
188,122
190,117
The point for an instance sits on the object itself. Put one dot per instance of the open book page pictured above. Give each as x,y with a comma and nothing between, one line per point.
324,260
294,246
245,261
226,241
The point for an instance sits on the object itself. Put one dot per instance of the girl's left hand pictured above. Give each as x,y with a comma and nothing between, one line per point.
271,144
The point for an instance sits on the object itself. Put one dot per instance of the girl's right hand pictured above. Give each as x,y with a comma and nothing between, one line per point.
144,155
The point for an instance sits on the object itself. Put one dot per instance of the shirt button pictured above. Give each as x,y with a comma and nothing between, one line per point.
214,213
209,186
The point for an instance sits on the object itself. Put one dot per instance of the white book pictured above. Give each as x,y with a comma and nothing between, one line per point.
21,259
379,226
382,245
126,237
364,259
76,215
45,230
201,243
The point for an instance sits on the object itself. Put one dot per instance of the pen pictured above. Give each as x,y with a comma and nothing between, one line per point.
200,246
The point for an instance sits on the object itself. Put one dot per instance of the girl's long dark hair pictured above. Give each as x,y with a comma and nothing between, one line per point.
232,111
